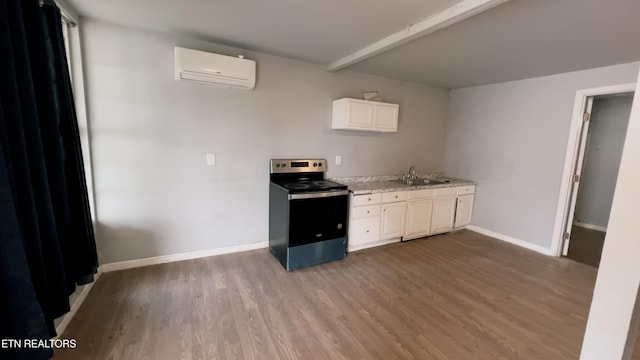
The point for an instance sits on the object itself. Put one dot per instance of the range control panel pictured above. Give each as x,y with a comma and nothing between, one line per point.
298,166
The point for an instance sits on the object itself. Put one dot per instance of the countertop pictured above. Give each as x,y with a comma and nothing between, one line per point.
375,184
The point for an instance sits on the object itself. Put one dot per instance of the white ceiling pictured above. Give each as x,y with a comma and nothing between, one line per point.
515,40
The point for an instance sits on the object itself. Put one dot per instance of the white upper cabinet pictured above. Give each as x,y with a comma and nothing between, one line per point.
385,117
354,114
359,115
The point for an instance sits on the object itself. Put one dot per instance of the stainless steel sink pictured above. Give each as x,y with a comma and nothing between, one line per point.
418,182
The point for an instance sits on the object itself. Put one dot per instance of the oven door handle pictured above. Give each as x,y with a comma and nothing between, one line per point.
315,195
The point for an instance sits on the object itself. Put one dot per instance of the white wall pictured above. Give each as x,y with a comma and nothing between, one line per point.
614,316
154,193
607,130
511,138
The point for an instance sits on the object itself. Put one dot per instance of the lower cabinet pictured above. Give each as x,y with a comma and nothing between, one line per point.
364,231
392,220
464,209
380,218
364,221
376,218
418,222
444,210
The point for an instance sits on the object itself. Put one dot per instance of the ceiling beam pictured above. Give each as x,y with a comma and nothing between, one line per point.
458,12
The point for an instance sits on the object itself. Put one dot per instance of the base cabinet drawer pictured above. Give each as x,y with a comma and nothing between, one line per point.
468,189
368,199
395,196
420,194
363,231
360,212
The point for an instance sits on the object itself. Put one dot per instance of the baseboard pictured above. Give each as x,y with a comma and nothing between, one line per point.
66,319
590,226
511,240
121,265
373,244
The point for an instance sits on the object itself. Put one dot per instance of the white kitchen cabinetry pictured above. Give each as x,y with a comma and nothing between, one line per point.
419,212
364,231
392,225
367,199
464,207
444,210
392,214
354,114
418,218
364,222
382,218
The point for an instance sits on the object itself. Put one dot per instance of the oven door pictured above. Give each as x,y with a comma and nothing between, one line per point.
317,216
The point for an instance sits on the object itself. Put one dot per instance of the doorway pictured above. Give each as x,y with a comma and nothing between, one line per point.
605,139
595,161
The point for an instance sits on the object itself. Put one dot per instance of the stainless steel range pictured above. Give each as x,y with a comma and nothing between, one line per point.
307,214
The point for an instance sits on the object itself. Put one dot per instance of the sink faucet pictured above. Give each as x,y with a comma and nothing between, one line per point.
412,175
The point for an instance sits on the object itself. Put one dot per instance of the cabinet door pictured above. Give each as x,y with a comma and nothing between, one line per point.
386,117
363,231
444,211
418,222
464,210
392,220
359,115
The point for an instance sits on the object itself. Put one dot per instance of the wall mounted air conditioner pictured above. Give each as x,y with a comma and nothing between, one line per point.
209,68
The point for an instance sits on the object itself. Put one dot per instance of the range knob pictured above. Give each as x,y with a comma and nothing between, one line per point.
315,164
284,165
278,165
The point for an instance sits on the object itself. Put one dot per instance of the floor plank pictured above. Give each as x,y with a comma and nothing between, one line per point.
454,296
586,245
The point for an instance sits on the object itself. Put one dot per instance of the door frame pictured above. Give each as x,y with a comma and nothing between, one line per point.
574,185
571,157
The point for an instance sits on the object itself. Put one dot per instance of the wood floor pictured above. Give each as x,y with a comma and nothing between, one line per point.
586,245
454,296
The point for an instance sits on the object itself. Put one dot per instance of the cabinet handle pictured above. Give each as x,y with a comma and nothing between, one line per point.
367,230
396,196
368,199
368,211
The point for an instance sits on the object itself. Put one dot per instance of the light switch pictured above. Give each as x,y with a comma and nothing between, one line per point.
338,159
211,159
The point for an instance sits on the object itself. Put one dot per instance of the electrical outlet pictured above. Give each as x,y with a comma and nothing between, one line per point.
211,159
338,159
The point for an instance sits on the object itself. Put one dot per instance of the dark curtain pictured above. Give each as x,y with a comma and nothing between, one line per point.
47,244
